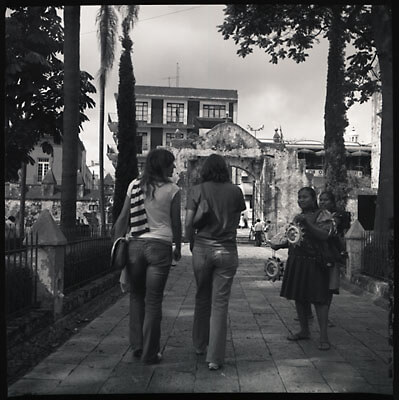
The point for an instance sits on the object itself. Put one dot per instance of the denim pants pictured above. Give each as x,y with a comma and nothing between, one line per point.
148,269
214,270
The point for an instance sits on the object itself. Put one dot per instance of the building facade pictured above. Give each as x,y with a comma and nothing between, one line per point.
167,113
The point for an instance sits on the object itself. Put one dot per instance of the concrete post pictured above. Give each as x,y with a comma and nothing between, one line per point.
50,263
354,238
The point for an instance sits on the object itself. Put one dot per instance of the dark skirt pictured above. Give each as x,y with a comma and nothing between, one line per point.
306,280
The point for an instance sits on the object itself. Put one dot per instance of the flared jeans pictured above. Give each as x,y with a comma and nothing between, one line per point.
148,269
214,270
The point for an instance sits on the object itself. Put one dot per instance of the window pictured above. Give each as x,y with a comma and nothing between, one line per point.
169,137
141,110
93,207
174,112
214,111
43,165
141,142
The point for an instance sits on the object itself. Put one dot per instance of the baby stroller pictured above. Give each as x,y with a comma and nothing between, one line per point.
274,267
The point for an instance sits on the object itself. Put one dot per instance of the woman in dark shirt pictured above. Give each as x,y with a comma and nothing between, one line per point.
215,258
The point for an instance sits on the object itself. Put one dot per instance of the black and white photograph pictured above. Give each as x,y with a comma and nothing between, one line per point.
199,198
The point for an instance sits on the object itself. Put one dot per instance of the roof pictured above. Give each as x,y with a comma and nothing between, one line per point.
49,178
194,93
108,180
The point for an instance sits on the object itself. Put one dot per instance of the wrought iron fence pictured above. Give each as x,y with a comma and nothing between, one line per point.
21,274
87,257
375,255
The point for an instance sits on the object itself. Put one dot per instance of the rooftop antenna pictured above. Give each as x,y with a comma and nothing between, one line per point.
255,130
176,77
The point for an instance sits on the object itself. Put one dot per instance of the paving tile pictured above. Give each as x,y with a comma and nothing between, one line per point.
259,376
171,381
49,370
84,379
250,349
101,361
26,386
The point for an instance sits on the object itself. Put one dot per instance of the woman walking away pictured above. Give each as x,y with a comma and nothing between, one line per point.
306,276
151,236
215,258
336,242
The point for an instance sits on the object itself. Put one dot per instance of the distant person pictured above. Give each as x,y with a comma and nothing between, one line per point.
245,218
215,257
306,275
152,231
10,227
258,228
267,231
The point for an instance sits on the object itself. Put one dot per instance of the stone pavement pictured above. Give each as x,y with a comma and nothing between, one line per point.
97,360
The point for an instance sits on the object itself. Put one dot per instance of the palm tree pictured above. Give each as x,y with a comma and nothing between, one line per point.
126,168
107,21
71,115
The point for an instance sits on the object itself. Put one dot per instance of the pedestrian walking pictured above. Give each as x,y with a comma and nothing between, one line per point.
306,275
258,228
151,234
215,257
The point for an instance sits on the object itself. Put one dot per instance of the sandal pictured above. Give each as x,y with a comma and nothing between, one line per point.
324,346
297,336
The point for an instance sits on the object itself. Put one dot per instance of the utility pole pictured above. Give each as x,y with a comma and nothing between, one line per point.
255,130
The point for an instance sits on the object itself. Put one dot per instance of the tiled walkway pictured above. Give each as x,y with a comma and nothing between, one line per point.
259,358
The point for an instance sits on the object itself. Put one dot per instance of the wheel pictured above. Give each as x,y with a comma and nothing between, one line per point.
272,268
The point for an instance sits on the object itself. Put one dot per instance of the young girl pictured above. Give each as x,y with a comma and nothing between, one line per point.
336,242
306,276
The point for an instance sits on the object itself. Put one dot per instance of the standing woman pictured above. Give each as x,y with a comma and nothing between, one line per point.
306,276
150,249
215,258
336,242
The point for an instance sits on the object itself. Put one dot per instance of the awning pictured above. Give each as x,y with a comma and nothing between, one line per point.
320,153
305,151
359,153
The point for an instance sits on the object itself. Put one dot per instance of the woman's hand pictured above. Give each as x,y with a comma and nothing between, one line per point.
301,219
177,253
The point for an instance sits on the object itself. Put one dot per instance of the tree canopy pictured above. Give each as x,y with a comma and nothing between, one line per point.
34,79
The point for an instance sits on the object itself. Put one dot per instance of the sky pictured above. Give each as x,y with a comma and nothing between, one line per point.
288,94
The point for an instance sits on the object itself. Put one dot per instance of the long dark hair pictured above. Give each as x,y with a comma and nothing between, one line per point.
331,197
157,161
312,193
215,169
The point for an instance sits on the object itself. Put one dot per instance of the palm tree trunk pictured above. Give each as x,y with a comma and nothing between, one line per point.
382,28
71,115
101,154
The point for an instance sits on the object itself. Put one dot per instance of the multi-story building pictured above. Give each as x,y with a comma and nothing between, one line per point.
167,113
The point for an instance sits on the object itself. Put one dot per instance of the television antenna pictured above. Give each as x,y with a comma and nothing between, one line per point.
255,130
176,77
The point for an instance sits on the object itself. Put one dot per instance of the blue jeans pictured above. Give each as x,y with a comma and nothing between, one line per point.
214,270
148,269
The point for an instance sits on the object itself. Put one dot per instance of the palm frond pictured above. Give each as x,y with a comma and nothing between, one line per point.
107,32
